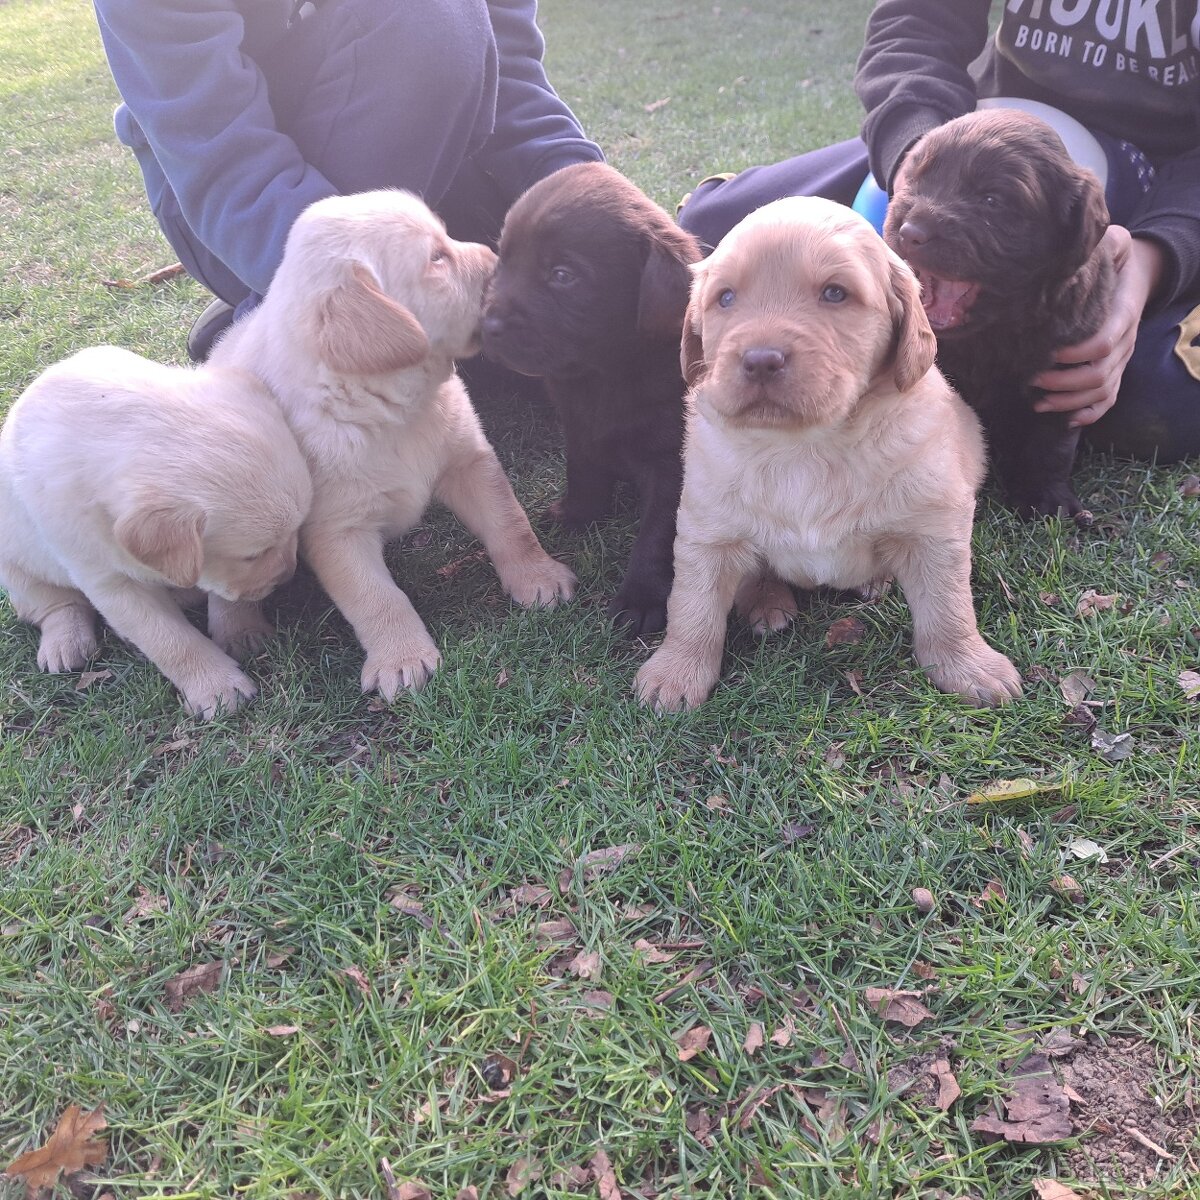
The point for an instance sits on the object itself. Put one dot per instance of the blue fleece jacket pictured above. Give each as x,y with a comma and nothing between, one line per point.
195,97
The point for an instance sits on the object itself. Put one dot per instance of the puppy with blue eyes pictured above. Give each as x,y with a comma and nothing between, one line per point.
822,447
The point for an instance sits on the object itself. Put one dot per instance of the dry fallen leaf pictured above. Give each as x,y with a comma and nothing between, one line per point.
897,1005
360,980
202,978
1038,1108
948,1089
693,1041
1190,682
586,964
1092,602
784,1032
87,678
1011,789
467,1193
521,1174
595,863
992,890
597,1001
1076,687
1112,747
412,1189
923,899
1190,486
650,953
1068,888
846,631
282,1030
605,1177
558,929
655,105
1051,1189
146,904
72,1147
402,902
754,1038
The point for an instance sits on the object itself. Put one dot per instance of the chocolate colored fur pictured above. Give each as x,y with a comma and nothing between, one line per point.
590,294
1002,229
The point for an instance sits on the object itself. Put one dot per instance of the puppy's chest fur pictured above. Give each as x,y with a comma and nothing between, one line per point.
627,418
383,441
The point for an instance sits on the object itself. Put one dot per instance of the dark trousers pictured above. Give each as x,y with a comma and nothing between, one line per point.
1157,413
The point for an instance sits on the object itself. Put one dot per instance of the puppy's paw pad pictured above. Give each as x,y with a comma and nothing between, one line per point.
390,674
986,678
668,684
66,651
218,695
768,605
543,584
243,637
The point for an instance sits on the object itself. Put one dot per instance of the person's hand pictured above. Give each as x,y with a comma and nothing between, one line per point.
1086,383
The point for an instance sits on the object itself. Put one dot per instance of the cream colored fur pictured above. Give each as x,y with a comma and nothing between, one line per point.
845,460
357,337
128,487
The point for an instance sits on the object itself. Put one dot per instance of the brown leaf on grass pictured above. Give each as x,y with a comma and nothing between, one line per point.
698,972
596,1001
360,980
402,902
1190,682
451,569
854,679
923,899
586,964
146,905
1068,888
754,1038
202,978
1092,602
160,275
1038,1108
948,1089
596,863
1051,1189
605,1177
87,678
655,105
282,1030
784,1032
693,1041
1076,687
1190,486
895,1004
751,1101
651,953
467,1193
278,957
992,890
72,1146
571,1179
521,1174
558,929
846,631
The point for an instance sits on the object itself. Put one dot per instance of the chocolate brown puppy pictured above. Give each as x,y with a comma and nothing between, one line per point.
1003,231
590,294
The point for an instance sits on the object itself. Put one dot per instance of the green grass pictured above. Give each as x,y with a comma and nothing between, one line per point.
780,828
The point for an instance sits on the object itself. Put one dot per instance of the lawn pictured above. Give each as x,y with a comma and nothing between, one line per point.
516,934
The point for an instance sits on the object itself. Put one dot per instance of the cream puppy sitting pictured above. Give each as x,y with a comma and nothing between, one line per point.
125,486
823,444
357,336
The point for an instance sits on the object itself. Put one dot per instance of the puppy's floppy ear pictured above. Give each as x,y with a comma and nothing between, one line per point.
663,294
691,348
914,346
360,331
1084,216
164,534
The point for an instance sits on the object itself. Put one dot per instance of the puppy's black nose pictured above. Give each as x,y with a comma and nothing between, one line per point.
762,363
914,233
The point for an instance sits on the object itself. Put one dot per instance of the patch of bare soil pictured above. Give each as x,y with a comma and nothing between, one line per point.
1120,1084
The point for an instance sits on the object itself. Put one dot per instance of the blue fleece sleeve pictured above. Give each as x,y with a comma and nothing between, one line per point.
202,107
535,133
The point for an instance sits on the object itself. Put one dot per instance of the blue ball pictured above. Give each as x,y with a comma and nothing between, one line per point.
871,202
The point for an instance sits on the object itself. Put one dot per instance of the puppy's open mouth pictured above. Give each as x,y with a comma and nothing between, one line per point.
947,302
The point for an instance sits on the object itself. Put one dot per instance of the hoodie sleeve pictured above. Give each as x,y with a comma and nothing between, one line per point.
202,107
912,73
535,132
1169,213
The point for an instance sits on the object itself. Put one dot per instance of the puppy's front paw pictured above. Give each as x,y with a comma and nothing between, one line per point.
541,583
981,676
640,606
240,629
68,640
402,669
1052,499
767,604
217,691
670,681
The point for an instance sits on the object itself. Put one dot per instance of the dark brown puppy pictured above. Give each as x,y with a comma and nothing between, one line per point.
1002,230
590,294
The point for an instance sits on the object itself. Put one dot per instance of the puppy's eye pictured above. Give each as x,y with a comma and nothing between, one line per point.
727,297
991,200
249,558
833,293
562,276
438,255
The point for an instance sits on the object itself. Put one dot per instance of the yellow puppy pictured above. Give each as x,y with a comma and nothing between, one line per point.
822,445
125,486
357,337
